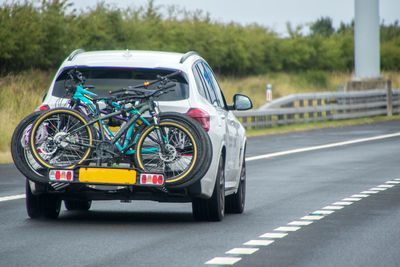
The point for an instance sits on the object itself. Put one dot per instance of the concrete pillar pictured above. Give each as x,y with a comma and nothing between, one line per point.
366,39
366,48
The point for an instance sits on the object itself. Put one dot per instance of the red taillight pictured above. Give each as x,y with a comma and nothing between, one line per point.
42,107
151,179
144,178
201,116
61,175
69,175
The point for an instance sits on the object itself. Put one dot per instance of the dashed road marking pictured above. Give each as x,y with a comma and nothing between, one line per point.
312,217
287,229
332,208
360,195
378,189
244,251
8,198
386,185
223,260
296,225
273,235
395,181
300,223
323,212
343,203
351,199
369,192
258,242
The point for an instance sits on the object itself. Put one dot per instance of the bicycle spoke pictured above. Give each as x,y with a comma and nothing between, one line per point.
56,146
177,156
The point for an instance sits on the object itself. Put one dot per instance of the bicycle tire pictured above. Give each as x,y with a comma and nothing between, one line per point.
184,146
46,138
21,152
205,158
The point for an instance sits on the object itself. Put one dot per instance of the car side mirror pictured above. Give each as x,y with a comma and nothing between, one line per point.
241,102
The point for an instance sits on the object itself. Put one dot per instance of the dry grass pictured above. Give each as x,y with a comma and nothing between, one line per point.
5,157
284,84
20,95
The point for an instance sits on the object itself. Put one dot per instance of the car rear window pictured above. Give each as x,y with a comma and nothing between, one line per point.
106,79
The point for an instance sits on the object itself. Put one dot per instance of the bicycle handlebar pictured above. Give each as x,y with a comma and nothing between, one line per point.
164,79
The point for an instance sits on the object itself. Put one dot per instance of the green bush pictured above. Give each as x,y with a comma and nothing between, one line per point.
40,34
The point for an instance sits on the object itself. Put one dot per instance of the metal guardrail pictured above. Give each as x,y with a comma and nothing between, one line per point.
322,107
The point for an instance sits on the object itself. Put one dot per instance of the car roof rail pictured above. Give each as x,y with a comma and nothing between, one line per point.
74,53
188,54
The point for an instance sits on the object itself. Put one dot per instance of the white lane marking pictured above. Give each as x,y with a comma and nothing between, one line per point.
378,189
258,242
287,229
8,198
312,217
351,199
311,148
385,186
323,212
369,192
332,208
392,182
360,195
242,251
344,203
223,260
300,223
273,235
296,225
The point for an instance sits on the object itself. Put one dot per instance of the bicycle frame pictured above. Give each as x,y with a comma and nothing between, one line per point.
128,128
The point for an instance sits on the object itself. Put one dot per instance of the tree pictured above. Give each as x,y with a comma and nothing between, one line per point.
323,26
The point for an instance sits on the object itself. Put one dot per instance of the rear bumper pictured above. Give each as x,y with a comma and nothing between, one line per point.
96,183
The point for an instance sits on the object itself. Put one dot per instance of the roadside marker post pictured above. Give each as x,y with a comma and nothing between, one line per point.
269,93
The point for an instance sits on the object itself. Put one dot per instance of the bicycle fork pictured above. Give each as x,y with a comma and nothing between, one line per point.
160,135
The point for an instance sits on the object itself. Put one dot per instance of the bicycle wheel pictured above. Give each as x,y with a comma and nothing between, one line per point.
180,155
60,138
21,152
205,153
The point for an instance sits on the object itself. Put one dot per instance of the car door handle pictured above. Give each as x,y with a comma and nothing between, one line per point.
223,117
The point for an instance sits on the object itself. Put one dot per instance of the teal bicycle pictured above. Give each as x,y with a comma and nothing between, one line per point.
168,143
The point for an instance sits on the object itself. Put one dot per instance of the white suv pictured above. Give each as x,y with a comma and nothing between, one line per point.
222,187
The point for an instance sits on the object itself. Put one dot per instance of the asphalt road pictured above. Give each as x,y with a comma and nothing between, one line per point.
280,190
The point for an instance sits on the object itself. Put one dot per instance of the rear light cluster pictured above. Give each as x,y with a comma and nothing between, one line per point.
151,179
61,175
201,116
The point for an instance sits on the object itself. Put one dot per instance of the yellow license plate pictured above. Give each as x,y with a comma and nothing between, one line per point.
107,176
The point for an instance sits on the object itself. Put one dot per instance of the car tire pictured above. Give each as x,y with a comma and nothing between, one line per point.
82,205
212,209
235,203
41,206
